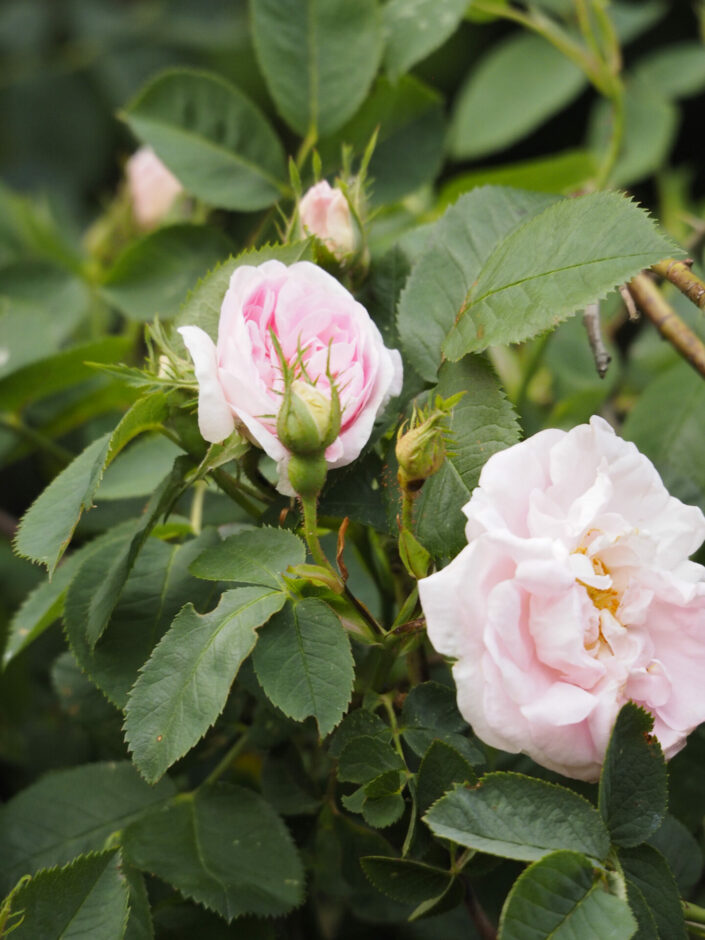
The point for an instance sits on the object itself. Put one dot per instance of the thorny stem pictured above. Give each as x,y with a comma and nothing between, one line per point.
680,274
483,925
651,303
310,513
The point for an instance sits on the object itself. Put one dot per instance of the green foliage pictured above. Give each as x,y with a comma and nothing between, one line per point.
320,66
48,526
158,586
153,275
85,899
276,663
563,896
488,112
647,872
519,817
254,869
213,139
183,686
532,280
633,783
304,664
256,556
70,812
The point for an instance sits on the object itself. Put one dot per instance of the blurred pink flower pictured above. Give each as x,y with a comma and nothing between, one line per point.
152,187
325,213
573,595
319,327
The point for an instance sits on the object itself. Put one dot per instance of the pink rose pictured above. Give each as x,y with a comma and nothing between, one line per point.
152,187
573,595
319,326
325,213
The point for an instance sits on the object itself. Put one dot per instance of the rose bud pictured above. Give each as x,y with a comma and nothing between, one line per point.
573,596
421,450
276,318
325,213
308,421
152,188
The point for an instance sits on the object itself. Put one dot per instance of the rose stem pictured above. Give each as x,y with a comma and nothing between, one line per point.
651,303
680,274
591,319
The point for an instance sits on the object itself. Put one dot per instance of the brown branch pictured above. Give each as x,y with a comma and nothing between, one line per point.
651,303
680,274
484,926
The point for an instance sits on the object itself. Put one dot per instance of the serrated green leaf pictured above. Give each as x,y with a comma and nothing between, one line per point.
213,139
569,255
414,29
153,274
44,605
318,59
68,812
519,817
482,423
442,768
48,525
93,602
183,686
224,847
666,425
633,784
85,899
646,868
404,879
489,114
391,781
563,897
202,306
440,280
365,758
257,556
642,912
61,371
157,588
139,921
382,811
408,117
357,724
304,663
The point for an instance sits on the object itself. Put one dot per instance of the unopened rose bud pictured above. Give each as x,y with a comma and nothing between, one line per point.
421,450
309,419
420,453
151,186
325,213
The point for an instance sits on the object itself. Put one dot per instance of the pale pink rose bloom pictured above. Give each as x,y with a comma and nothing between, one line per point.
152,187
325,212
573,595
314,317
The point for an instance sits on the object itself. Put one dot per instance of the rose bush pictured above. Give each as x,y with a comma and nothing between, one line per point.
322,332
152,187
573,595
325,213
